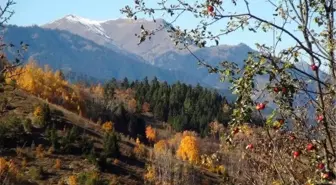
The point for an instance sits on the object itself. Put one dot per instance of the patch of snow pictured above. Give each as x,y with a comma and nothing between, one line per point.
90,24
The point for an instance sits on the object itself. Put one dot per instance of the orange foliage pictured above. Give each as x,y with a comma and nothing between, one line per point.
57,164
47,85
150,133
145,107
107,126
97,90
3,165
39,151
189,149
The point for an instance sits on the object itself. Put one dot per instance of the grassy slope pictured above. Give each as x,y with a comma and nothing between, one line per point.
128,170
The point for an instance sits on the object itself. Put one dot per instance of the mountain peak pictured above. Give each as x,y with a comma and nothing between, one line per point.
75,18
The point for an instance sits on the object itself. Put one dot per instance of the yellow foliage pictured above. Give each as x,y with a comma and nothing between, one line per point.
107,126
137,141
150,175
246,129
140,150
221,169
3,165
189,149
277,182
47,85
150,133
72,180
38,111
160,146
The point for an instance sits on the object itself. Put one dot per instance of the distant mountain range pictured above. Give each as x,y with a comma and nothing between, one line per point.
101,50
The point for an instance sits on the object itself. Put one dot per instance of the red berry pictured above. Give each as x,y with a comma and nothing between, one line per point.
249,146
236,130
314,67
210,8
296,154
325,175
320,166
319,118
310,147
260,106
276,89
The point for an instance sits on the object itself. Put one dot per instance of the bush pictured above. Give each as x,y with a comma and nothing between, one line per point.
52,137
11,130
36,173
27,125
110,145
86,145
91,178
69,139
42,116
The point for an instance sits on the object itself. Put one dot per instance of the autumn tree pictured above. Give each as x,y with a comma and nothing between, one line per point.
150,133
108,126
302,96
189,149
139,149
163,168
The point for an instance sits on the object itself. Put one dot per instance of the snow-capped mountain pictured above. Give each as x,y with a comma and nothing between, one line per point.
160,51
89,29
120,34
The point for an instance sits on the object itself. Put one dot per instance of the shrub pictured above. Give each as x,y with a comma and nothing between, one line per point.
110,145
12,130
107,126
27,125
52,137
36,173
91,178
42,116
69,139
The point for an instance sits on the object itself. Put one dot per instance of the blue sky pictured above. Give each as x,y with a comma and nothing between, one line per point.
29,12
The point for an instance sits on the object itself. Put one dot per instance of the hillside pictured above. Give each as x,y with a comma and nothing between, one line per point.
46,143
